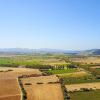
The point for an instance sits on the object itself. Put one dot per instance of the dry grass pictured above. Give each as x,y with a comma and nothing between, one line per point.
50,89
52,61
41,79
95,67
87,60
9,86
43,91
75,74
9,89
77,87
16,72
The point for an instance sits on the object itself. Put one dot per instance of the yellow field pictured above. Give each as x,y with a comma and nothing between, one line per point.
95,67
45,90
16,72
37,88
9,86
52,61
75,74
87,60
77,87
41,79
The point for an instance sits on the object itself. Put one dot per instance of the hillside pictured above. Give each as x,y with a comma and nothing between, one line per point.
90,52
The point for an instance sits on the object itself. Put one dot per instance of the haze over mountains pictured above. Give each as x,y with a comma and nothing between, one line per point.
46,50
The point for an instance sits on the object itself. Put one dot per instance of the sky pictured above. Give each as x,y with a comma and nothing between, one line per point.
55,24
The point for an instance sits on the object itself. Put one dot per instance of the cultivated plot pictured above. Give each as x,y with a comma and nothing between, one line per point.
43,88
9,89
78,87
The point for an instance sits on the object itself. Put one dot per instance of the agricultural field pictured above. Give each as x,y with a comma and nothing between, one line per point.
89,79
42,79
84,91
10,90
9,84
38,61
63,71
95,70
43,88
86,60
90,95
36,87
74,73
9,73
78,87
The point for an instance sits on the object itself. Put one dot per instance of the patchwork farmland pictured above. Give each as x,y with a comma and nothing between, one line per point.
9,84
35,85
48,79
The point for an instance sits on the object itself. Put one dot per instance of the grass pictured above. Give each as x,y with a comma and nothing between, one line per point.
91,95
62,71
78,80
30,60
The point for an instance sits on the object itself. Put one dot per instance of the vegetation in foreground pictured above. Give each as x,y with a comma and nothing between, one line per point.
89,95
78,80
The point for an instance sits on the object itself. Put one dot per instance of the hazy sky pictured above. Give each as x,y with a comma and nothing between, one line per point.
58,24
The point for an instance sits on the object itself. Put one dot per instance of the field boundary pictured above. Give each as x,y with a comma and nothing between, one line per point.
20,88
23,92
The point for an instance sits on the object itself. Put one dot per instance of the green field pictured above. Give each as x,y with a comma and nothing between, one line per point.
62,71
78,80
91,95
33,61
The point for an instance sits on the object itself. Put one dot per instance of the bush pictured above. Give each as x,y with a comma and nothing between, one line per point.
39,83
28,84
85,89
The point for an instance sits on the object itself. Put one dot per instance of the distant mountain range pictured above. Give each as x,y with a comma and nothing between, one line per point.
46,50
32,51
90,52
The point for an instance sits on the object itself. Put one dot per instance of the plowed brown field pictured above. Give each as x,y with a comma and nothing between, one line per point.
9,89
